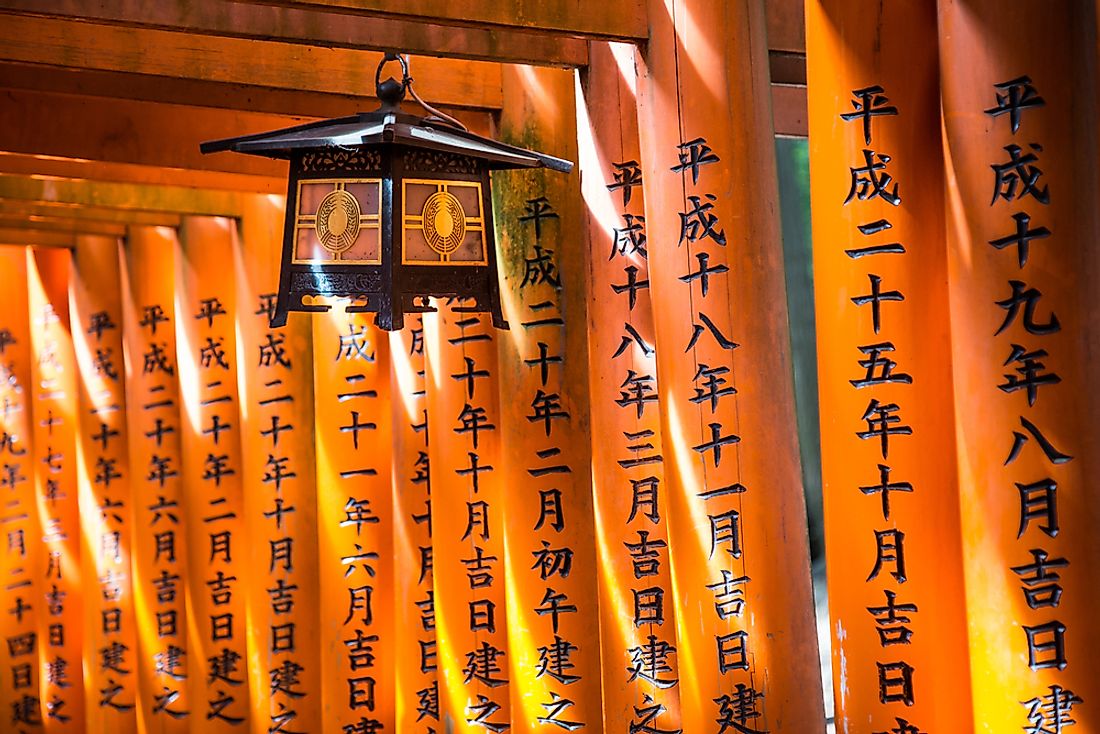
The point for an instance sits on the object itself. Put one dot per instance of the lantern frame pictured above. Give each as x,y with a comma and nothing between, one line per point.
454,254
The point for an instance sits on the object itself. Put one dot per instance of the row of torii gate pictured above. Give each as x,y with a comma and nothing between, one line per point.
593,521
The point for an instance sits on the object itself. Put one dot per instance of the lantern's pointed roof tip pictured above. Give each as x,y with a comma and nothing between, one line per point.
386,127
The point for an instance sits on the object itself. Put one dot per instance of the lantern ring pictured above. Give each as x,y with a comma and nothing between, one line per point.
391,90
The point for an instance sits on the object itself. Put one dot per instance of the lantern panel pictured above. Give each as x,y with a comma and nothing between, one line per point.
442,223
337,220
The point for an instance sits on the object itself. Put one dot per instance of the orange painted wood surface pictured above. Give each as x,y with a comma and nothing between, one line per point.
20,562
637,604
471,654
896,602
54,404
159,552
355,521
280,490
209,369
1020,119
416,684
737,534
546,455
106,481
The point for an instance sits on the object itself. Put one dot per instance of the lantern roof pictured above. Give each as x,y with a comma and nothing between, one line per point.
387,127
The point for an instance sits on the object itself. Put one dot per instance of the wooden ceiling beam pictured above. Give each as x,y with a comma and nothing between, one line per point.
267,64
310,27
608,20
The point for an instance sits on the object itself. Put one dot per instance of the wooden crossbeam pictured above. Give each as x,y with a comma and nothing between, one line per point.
622,20
93,215
65,226
42,238
310,27
267,64
123,196
125,131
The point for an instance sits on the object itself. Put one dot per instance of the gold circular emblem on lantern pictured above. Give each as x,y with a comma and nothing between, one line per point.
338,221
444,222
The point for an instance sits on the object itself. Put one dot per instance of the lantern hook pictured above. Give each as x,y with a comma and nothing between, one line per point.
391,91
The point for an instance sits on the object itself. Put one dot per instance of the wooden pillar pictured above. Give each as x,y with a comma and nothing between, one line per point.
160,550
106,481
355,521
1020,118
54,401
893,546
637,605
737,524
21,559
417,688
546,459
280,492
211,445
472,652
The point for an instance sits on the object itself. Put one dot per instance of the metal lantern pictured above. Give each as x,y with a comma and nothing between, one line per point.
387,209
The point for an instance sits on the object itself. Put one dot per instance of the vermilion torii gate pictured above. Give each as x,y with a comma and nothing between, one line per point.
594,520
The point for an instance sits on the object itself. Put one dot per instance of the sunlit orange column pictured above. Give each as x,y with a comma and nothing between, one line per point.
19,562
54,401
160,550
546,458
1020,119
106,482
355,521
280,490
417,688
893,546
467,515
211,445
737,524
629,494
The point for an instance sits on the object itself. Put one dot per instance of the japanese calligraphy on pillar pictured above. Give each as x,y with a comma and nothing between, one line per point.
354,491
1022,152
730,451
470,653
546,459
892,527
153,416
280,492
211,446
416,684
21,559
106,486
637,610
54,401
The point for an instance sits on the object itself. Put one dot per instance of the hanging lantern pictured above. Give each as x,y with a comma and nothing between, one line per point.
388,209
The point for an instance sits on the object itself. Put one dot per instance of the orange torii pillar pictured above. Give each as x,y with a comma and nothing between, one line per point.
416,685
211,444
896,601
19,562
159,551
1020,118
280,583
355,517
629,494
747,646
106,481
553,642
467,516
54,403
